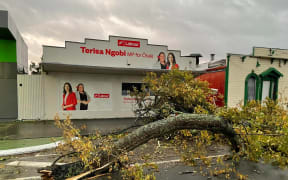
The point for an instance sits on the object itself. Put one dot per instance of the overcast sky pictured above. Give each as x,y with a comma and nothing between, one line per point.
192,26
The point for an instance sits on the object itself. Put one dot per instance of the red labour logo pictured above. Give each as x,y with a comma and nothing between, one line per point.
96,95
127,43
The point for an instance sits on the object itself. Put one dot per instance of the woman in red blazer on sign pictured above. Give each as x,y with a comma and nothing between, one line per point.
69,98
171,62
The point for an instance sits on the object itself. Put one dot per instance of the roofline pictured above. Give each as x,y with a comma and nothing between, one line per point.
269,48
108,40
127,37
174,50
85,41
262,57
251,55
234,54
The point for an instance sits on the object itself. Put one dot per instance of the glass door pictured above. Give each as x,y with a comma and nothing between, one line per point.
265,90
269,89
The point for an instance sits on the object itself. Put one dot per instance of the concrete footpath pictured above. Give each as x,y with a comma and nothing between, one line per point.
43,129
30,149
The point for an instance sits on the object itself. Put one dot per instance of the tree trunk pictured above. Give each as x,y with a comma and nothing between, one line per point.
169,125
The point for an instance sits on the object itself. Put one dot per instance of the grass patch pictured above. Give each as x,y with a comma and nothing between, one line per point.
11,144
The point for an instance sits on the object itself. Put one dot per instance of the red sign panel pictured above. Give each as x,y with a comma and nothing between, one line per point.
127,43
101,95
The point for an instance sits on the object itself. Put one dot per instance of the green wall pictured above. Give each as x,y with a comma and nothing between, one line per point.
8,51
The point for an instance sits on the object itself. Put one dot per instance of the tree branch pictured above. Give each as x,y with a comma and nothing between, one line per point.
159,128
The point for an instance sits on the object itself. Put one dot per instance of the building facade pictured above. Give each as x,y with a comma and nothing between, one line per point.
106,69
258,76
13,60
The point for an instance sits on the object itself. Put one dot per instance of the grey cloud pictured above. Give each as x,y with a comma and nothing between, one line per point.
205,26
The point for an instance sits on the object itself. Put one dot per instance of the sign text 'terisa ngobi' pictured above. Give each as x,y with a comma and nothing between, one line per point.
109,52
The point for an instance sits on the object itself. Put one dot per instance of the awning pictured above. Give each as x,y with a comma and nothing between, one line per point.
58,67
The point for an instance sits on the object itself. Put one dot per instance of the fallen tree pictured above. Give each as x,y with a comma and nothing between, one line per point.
180,102
147,132
171,124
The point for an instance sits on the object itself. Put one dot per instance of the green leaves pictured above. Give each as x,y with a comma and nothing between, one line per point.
263,129
173,91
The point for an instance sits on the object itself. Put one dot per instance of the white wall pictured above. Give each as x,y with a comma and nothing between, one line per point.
113,107
239,70
116,106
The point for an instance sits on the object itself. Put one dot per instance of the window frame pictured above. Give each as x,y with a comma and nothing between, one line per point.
252,74
271,75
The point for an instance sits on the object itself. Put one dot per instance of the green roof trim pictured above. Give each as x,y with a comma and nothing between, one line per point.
258,64
271,71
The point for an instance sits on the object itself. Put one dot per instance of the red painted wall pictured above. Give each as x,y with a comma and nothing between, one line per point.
217,81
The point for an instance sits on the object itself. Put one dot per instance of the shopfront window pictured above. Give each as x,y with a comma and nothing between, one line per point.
127,88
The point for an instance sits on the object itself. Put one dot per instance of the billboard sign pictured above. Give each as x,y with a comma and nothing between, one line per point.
117,52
